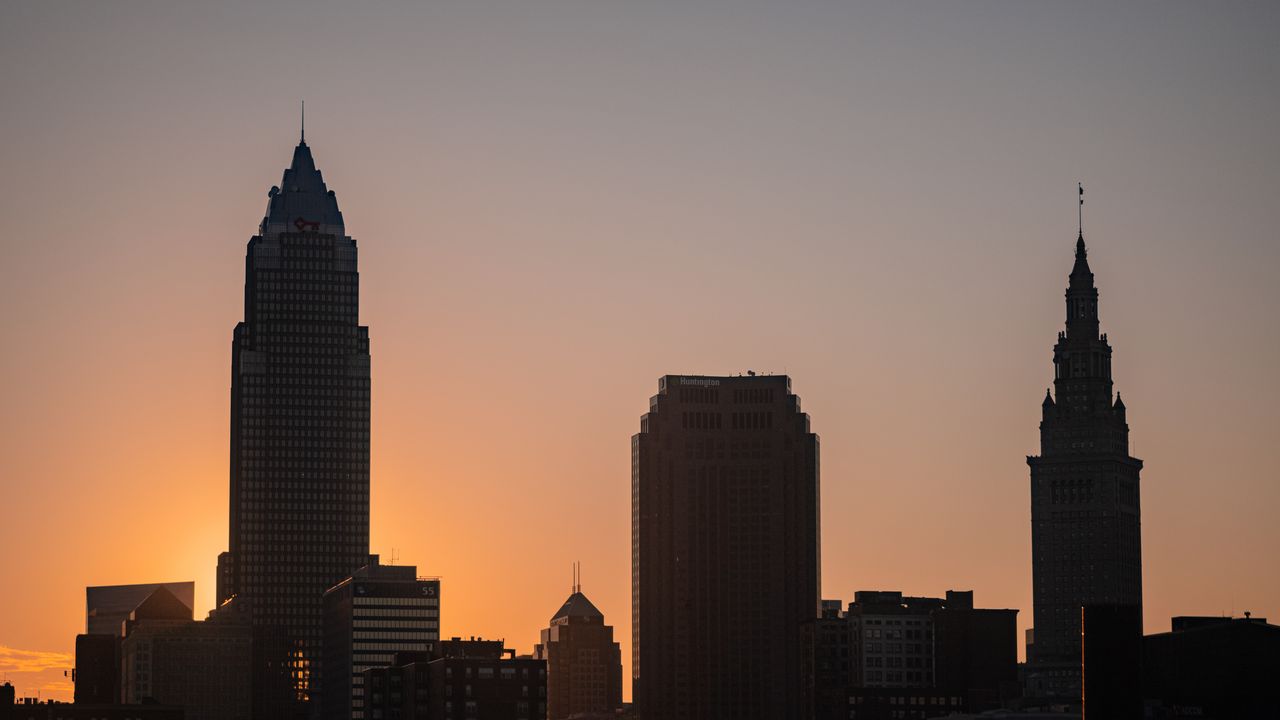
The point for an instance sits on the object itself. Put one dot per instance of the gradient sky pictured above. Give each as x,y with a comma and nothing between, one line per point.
558,202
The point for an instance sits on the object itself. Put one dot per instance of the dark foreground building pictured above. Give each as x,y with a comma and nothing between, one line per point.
33,709
458,680
584,664
299,421
97,673
203,667
369,617
895,656
725,551
1111,660
1213,668
160,656
1086,535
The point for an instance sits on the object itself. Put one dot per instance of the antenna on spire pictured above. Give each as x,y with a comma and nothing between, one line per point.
303,138
1080,210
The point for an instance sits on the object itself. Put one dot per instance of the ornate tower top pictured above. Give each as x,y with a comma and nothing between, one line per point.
1082,297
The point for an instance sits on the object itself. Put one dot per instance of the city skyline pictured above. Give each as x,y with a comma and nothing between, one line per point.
502,286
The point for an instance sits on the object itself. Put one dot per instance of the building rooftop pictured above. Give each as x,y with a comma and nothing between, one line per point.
577,606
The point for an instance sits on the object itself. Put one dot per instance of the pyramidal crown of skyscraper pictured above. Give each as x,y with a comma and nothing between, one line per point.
302,201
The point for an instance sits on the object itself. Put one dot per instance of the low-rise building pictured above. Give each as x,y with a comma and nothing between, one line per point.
895,656
167,658
459,679
1213,668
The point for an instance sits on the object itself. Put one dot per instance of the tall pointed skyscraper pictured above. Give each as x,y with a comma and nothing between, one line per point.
299,418
1086,534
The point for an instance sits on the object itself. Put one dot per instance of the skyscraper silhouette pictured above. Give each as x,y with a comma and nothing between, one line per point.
1085,528
299,418
725,551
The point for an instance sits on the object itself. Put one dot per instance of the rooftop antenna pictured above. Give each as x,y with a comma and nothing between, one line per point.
1080,210
303,138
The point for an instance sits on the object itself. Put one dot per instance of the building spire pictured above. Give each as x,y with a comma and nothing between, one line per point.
302,139
1080,213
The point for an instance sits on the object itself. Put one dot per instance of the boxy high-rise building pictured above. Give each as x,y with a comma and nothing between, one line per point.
725,550
379,611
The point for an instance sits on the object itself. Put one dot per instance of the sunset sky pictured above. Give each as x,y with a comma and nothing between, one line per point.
558,202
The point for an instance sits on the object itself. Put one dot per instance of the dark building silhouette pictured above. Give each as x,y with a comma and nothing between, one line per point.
369,617
887,703
299,419
33,709
97,673
897,656
111,612
168,658
459,679
1085,526
107,606
725,551
894,638
837,662
271,671
976,651
584,664
7,698
1215,668
1111,637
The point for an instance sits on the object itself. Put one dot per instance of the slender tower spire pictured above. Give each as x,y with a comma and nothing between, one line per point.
1080,212
302,138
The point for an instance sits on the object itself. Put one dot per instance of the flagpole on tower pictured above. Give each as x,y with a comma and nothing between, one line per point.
1080,211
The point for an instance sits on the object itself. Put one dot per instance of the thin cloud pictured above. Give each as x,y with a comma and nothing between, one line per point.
20,661
60,687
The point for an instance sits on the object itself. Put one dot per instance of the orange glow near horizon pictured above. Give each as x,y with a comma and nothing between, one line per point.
878,202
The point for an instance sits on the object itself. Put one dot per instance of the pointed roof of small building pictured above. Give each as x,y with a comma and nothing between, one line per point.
161,604
577,606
